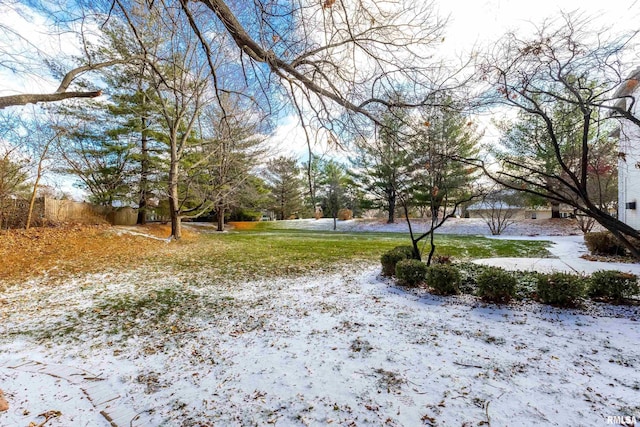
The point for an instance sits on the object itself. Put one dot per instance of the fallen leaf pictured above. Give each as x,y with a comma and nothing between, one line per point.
4,405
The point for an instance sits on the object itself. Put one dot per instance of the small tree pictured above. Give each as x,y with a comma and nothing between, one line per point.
34,134
333,185
283,179
443,184
498,208
233,150
380,166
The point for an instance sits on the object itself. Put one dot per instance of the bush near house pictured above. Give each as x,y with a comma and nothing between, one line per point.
613,285
345,214
410,272
603,243
496,285
561,289
390,258
444,279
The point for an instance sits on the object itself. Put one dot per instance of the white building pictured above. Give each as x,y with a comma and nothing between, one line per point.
629,153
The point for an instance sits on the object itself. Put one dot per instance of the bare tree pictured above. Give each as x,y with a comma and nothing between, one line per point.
39,141
345,52
498,208
565,78
30,140
181,87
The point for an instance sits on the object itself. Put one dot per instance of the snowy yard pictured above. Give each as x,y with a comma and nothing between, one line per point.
336,349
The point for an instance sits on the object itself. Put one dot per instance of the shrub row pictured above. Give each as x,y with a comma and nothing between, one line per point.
494,284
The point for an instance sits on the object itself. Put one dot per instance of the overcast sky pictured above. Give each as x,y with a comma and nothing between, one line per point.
484,21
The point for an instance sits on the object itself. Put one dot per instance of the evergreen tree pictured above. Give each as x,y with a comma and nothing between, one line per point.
283,179
437,181
380,166
333,185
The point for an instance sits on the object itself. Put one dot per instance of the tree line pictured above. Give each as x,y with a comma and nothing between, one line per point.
194,87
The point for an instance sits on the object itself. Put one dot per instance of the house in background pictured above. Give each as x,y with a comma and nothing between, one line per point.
629,153
483,209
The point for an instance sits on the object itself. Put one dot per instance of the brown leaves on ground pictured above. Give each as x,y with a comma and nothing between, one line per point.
4,405
72,249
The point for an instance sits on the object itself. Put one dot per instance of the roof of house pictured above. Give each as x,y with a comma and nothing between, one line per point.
628,85
480,206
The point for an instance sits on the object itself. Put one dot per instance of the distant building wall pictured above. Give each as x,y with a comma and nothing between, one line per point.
486,213
542,213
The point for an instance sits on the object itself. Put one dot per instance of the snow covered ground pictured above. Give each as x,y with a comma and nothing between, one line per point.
473,226
345,349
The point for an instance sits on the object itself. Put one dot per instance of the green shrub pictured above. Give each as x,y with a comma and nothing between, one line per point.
603,243
390,258
613,285
496,285
444,279
526,284
469,272
560,289
410,272
405,249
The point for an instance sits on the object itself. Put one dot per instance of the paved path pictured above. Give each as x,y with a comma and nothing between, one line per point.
567,251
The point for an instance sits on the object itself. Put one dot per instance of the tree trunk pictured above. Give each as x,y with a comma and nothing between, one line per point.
335,225
32,201
220,211
392,209
176,225
555,209
414,242
174,204
431,240
144,171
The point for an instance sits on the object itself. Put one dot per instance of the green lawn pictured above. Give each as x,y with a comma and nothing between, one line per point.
266,253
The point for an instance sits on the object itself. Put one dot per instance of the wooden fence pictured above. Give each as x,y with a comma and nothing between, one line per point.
13,213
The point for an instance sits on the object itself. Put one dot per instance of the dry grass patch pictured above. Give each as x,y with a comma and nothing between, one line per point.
72,249
244,225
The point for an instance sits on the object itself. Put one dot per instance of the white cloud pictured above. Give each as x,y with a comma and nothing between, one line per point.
482,22
27,41
289,139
